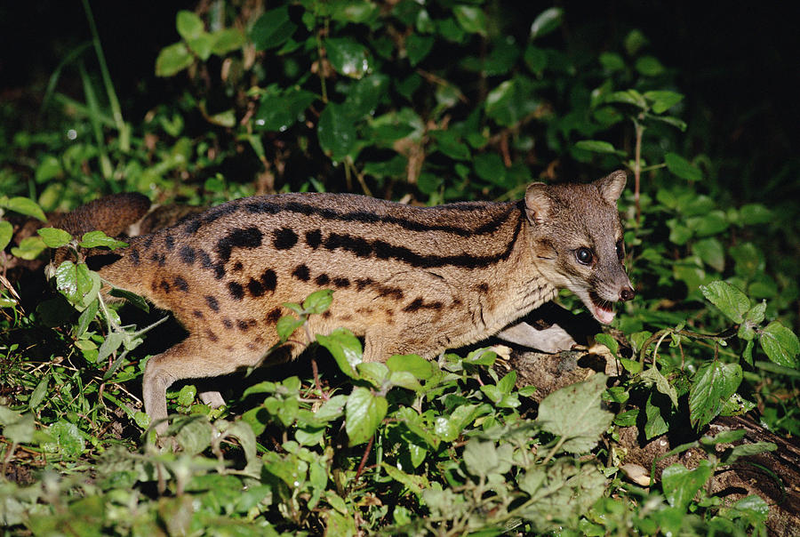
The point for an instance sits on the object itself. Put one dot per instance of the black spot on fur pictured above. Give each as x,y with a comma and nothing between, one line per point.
322,279
169,242
414,306
269,280
238,267
392,292
236,290
361,283
483,288
198,314
219,271
301,273
246,324
212,303
227,323
164,286
255,288
314,238
250,237
285,238
326,315
211,335
134,255
148,242
205,259
341,283
187,254
273,316
181,284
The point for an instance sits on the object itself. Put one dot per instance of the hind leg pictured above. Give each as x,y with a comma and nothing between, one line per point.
192,358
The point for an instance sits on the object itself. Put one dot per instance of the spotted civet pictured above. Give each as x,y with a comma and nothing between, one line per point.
407,279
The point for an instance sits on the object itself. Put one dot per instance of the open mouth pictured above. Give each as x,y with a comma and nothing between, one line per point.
602,310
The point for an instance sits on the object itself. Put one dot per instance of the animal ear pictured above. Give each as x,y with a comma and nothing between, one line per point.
537,203
612,185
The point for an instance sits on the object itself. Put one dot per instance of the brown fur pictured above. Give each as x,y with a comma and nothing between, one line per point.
408,279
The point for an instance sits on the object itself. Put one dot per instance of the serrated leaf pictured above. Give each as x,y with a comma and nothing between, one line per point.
348,57
480,458
713,385
68,441
336,132
731,301
364,95
287,325
682,167
547,21
575,413
661,383
318,302
780,344
655,424
17,428
25,206
345,348
470,18
630,96
110,345
54,238
73,281
86,317
364,412
511,101
272,29
173,59
374,372
754,213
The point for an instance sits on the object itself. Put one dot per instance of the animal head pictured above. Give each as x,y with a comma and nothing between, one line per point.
577,240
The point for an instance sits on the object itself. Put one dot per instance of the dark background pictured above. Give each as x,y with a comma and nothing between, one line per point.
736,62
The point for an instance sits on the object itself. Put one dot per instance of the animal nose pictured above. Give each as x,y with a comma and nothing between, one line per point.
626,294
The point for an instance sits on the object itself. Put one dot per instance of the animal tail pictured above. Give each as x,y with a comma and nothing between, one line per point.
111,214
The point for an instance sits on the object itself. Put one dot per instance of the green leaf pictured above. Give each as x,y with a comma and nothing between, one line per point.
754,213
54,238
272,29
631,97
680,484
318,302
336,132
511,101
661,383
470,18
411,363
227,40
711,252
49,167
414,483
68,441
345,348
655,424
364,95
547,21
25,206
682,167
201,46
575,413
711,223
449,143
598,146
189,25
490,167
6,232
97,239
278,112
17,428
133,298
649,66
287,325
374,372
730,300
348,57
39,393
86,318
481,458
418,47
663,100
173,59
364,412
780,344
714,383
74,281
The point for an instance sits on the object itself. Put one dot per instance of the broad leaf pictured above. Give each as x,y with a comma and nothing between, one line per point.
730,300
714,383
780,344
364,412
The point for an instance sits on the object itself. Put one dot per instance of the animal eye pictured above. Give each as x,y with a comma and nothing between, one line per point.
620,249
584,255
